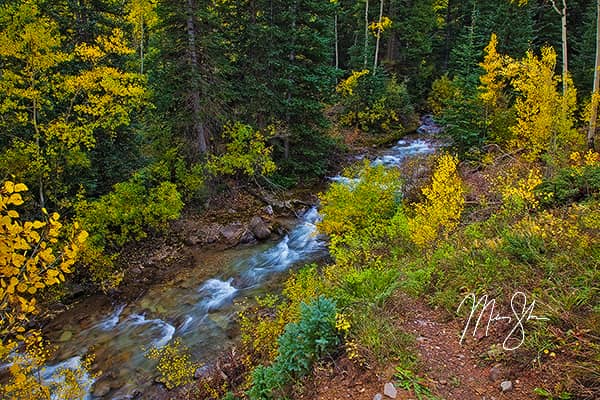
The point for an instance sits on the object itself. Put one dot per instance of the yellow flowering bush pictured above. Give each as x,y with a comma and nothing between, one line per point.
443,204
174,364
518,192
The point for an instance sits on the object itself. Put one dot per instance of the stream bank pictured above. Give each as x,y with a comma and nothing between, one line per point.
193,284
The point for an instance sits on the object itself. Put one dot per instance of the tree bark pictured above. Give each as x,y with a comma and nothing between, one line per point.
198,131
378,36
594,114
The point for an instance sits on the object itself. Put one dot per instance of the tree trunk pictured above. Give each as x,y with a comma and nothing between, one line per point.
563,21
198,131
378,36
366,49
564,45
594,115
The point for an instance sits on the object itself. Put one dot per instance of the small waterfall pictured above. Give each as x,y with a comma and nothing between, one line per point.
112,320
156,332
216,293
302,242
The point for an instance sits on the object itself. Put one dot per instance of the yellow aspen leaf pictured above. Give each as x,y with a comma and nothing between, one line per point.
18,260
32,290
38,224
52,273
9,187
83,235
35,237
12,214
20,187
22,287
15,199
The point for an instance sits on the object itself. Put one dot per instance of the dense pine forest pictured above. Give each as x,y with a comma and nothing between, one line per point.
420,178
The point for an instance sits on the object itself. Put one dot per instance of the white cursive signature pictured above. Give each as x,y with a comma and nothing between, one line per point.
521,311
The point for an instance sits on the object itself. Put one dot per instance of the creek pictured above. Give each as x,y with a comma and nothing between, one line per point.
200,311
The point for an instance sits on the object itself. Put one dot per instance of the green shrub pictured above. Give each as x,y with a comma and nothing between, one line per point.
126,214
300,345
569,185
129,212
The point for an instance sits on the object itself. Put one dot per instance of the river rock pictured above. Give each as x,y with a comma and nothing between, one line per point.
65,336
429,126
247,237
101,389
378,396
260,229
222,321
390,390
232,232
495,372
506,386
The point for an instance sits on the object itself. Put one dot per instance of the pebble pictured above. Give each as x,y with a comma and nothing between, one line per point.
378,396
506,386
495,373
390,390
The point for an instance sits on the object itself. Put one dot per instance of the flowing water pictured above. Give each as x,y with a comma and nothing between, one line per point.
200,311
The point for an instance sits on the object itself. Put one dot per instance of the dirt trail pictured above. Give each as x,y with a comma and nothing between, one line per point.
449,370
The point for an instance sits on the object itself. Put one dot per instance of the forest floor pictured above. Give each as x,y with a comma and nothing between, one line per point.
446,368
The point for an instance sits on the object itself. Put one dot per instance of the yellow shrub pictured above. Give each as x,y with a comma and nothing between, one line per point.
373,197
174,364
443,205
347,86
518,192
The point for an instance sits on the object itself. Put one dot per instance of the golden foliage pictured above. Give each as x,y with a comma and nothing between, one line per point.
377,28
518,191
493,81
443,204
29,260
373,195
347,86
174,364
544,117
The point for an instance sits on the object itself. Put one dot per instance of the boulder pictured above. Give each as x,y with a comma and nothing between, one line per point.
232,233
259,228
247,237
